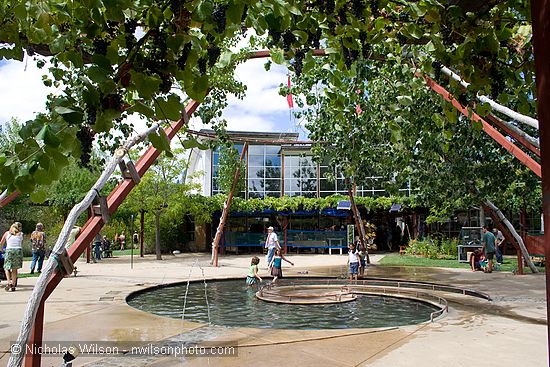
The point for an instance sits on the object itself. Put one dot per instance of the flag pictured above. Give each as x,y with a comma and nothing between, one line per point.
289,96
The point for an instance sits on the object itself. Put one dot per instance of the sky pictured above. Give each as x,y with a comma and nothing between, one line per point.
22,95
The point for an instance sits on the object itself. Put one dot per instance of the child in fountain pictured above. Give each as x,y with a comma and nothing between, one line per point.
276,265
253,277
354,263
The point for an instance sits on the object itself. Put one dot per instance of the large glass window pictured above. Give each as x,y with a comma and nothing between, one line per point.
264,171
300,176
216,166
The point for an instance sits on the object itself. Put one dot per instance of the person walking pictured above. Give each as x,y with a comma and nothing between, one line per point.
135,239
499,245
97,246
38,242
122,239
13,258
271,243
488,241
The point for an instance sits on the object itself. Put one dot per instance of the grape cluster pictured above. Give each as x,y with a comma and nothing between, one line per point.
100,46
176,6
375,11
201,63
213,55
316,39
349,56
288,40
111,101
357,7
182,59
218,16
275,37
404,16
299,62
86,137
91,114
446,35
437,69
130,29
165,83
159,40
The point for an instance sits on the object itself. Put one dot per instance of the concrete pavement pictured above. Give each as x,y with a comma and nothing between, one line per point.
509,331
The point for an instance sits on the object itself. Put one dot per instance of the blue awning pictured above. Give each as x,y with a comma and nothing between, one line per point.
331,212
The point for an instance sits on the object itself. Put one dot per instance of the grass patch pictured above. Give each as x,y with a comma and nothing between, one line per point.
394,259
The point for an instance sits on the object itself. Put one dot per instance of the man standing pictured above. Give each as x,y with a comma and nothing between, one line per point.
499,247
488,241
271,243
135,239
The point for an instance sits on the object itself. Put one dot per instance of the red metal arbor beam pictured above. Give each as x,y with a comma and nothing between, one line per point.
540,15
94,225
520,139
487,128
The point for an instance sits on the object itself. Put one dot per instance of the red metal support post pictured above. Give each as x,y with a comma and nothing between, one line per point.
94,224
540,15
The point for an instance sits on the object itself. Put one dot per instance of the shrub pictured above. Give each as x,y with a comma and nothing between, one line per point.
440,248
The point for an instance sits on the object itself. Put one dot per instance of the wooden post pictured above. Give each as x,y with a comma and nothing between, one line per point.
358,220
225,212
540,15
141,231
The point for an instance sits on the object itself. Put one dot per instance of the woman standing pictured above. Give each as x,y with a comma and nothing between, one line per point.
14,254
38,241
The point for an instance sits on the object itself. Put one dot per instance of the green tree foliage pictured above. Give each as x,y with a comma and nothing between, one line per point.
112,59
158,194
229,163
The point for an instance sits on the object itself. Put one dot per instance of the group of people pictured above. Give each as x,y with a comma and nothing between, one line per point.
357,263
492,243
274,260
357,259
102,245
11,251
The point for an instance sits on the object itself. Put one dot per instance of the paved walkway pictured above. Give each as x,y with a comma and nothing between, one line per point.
509,331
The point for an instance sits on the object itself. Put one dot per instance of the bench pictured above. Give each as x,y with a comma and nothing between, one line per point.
315,245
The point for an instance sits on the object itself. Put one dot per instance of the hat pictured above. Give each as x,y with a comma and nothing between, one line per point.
270,228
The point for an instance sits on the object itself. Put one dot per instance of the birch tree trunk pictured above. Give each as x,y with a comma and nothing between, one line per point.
512,230
157,235
49,267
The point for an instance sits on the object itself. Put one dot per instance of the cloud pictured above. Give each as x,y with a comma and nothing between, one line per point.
23,95
21,90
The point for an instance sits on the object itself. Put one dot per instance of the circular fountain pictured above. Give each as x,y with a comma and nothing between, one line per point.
292,304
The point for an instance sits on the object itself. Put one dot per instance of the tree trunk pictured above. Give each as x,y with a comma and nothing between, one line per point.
157,235
359,223
512,230
225,212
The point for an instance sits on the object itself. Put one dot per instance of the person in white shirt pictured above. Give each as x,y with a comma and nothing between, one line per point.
271,243
14,254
